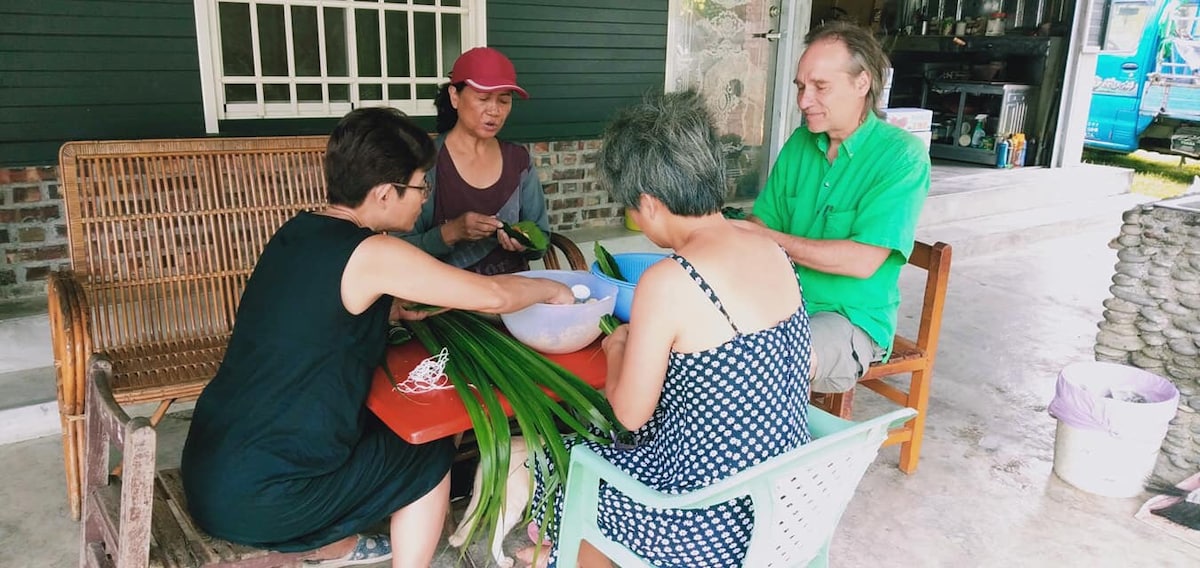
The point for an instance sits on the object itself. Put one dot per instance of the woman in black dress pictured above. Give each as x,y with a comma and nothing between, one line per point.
282,453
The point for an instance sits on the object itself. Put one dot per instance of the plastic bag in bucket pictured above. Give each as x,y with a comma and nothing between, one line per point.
1111,423
1118,399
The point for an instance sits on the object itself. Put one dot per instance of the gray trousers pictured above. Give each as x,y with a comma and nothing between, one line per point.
843,352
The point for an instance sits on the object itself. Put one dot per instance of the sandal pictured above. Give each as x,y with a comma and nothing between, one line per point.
369,549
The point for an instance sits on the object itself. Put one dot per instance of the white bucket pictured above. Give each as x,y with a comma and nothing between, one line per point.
1098,462
1105,445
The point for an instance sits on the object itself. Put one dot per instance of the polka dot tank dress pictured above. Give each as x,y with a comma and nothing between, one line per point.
722,411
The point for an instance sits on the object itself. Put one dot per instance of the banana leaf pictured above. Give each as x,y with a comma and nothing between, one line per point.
607,264
528,234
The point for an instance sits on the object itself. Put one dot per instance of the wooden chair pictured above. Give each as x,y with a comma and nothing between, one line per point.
569,250
908,356
141,519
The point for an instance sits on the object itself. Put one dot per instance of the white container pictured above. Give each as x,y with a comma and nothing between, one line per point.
1099,463
563,328
910,119
926,137
1104,444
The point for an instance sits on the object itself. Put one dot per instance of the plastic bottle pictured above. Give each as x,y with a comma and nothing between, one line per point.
1020,163
1031,152
1002,152
1016,148
977,136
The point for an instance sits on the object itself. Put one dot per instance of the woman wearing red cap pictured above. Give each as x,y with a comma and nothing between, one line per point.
479,182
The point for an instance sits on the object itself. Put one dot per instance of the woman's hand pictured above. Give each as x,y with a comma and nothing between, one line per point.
470,226
561,295
400,311
614,344
508,243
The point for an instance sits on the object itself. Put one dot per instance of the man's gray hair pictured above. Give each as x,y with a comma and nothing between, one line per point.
665,146
865,51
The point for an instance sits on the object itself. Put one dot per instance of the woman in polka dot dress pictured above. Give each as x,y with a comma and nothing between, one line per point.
712,373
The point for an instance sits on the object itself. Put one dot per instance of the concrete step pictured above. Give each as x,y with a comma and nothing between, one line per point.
27,387
25,343
993,192
985,235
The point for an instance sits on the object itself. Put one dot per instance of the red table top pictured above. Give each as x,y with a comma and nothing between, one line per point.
436,414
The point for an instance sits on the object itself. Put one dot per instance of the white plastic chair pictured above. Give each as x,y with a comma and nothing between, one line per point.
798,497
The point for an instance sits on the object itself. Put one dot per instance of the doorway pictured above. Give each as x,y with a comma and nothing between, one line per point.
734,53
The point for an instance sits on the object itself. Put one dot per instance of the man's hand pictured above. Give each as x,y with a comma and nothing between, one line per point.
842,256
749,224
470,226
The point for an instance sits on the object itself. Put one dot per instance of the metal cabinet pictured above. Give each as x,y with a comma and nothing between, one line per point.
957,104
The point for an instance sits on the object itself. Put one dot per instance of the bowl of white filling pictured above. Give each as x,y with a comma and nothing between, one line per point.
563,328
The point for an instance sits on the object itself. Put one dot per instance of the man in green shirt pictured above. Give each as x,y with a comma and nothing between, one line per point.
843,199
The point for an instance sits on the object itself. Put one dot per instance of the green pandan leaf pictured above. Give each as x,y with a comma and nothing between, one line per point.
607,264
528,234
484,361
609,323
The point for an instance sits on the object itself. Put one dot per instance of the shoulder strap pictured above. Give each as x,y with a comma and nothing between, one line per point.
704,287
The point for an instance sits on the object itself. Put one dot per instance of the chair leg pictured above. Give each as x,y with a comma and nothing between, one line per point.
918,399
161,411
71,463
155,418
840,404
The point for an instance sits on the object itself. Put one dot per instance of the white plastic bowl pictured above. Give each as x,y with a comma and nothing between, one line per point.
565,328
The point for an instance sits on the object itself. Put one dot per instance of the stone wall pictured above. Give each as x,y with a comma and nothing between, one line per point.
33,233
1153,319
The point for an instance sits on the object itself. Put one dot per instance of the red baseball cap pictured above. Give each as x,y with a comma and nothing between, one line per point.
486,70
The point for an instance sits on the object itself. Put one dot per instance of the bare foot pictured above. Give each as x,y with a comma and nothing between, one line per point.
526,555
334,550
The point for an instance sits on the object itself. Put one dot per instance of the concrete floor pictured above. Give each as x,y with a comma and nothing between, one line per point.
984,494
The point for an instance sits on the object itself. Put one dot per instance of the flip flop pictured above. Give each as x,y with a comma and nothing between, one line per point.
369,549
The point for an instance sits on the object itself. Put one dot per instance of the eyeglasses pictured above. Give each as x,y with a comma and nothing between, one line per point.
425,189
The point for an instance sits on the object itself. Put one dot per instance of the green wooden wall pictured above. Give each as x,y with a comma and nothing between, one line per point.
95,69
126,69
579,59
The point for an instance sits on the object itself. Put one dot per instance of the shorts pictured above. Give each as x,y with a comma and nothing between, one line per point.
843,352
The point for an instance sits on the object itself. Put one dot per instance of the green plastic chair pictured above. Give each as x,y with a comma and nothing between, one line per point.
798,497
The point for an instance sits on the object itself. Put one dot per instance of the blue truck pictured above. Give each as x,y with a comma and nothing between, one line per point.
1146,92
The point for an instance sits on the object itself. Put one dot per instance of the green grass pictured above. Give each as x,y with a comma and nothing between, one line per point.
1155,175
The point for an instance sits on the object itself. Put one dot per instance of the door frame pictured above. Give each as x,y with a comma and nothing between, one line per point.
785,116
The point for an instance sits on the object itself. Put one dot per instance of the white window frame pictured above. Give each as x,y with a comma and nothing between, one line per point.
212,81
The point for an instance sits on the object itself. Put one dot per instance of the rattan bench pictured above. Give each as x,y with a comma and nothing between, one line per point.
163,235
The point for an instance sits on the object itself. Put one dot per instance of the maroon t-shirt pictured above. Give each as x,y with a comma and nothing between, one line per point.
455,197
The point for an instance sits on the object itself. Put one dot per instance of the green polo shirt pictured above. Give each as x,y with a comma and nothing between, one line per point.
872,193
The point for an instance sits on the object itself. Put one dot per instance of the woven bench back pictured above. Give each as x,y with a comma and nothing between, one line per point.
163,234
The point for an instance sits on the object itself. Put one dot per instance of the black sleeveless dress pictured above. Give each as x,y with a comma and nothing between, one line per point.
282,453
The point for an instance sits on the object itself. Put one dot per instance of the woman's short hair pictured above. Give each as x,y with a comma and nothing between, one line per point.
447,115
371,146
665,146
865,52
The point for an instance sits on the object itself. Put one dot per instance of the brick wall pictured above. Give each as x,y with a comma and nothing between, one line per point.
573,196
33,233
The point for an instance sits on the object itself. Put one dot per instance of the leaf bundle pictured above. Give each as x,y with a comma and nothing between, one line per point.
484,361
